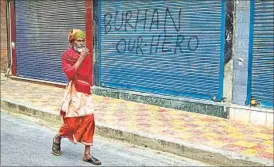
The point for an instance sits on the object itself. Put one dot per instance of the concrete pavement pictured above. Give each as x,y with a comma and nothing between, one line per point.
205,138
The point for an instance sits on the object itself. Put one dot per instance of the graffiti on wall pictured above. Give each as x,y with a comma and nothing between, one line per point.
138,21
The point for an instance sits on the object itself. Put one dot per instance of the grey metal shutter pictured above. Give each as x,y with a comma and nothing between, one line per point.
188,60
262,52
41,36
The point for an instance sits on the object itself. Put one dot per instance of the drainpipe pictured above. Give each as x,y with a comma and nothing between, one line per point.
8,20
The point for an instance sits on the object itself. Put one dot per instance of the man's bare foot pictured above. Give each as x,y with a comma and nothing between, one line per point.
56,145
91,159
57,139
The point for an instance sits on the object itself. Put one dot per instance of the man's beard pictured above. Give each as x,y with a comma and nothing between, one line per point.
79,48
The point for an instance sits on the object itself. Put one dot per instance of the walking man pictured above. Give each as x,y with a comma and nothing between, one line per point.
78,118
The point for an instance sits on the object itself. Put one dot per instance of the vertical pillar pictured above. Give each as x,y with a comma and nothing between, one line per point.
89,32
241,47
13,36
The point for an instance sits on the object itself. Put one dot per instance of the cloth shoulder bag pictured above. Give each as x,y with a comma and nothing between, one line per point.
67,98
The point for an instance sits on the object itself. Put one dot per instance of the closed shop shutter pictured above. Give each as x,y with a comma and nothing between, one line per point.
262,52
163,47
41,36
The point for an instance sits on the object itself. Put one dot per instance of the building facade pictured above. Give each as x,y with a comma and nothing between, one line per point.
212,57
4,36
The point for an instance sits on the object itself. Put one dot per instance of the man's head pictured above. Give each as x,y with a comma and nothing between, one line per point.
77,39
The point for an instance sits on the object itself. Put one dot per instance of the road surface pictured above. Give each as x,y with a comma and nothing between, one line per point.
27,143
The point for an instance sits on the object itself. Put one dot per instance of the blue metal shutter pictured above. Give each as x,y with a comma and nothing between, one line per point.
41,36
262,53
193,69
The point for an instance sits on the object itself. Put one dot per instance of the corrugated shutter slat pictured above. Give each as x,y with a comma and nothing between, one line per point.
192,70
41,36
263,53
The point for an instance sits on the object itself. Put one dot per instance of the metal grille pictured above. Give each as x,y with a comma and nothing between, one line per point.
41,36
177,50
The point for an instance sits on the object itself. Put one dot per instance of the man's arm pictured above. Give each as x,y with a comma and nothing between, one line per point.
69,68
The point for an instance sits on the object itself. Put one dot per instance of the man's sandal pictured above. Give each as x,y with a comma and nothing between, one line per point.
93,161
56,148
